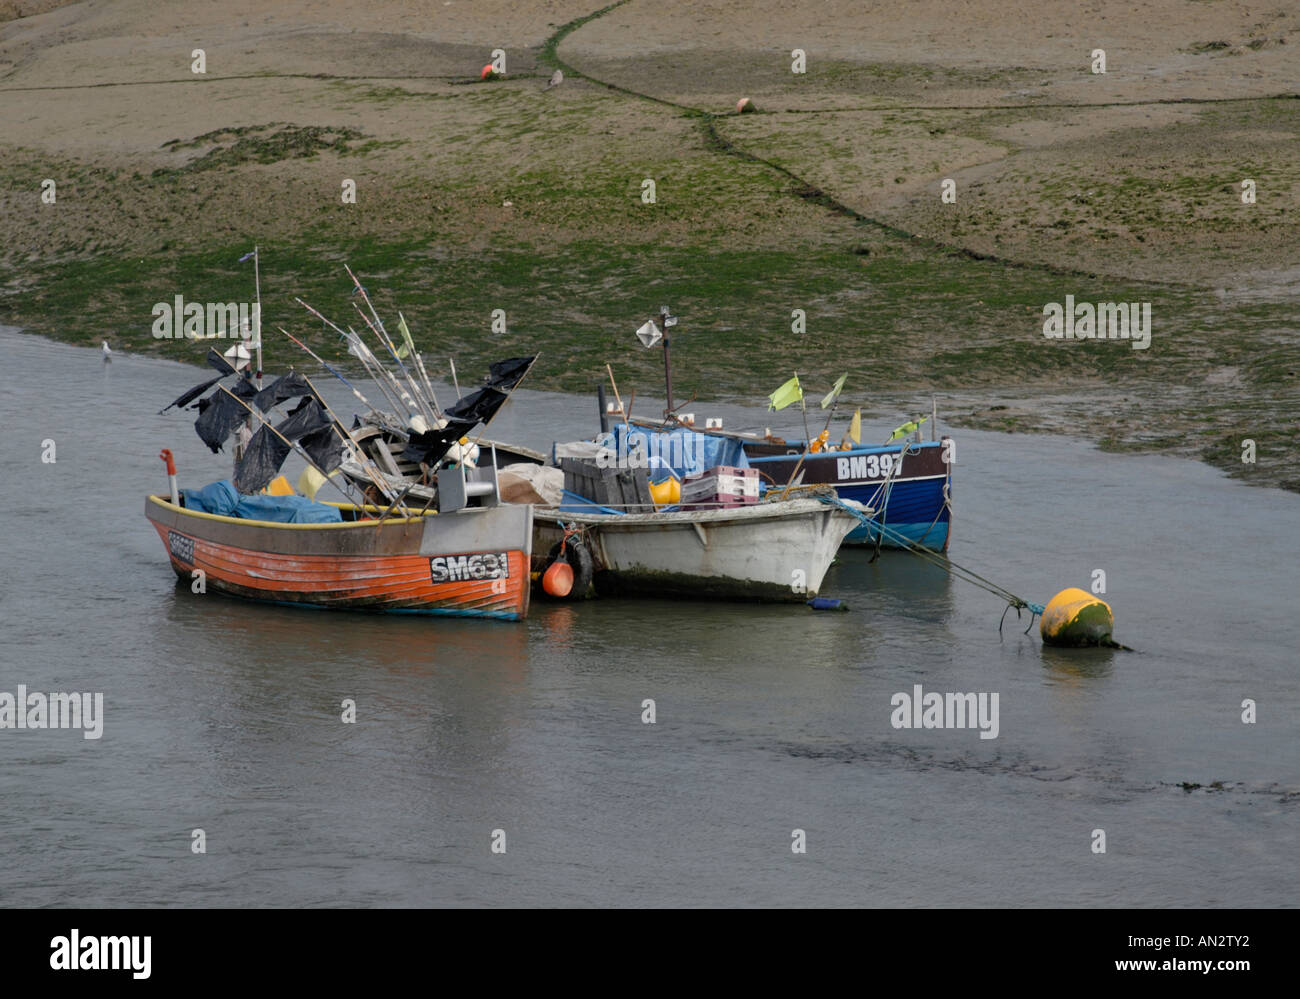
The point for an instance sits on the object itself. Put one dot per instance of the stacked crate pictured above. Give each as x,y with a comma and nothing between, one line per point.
720,486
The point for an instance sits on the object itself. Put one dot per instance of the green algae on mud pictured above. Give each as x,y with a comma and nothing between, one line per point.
904,323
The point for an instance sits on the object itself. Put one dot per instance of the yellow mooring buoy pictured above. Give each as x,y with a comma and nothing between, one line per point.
1076,618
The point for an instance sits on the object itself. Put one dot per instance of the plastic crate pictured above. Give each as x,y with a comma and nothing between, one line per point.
617,488
723,485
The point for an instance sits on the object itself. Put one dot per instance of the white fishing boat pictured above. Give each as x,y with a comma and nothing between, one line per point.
773,551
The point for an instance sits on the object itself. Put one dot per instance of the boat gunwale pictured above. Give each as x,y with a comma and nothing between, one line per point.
738,514
838,452
168,505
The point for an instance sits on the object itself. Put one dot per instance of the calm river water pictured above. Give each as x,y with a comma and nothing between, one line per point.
225,716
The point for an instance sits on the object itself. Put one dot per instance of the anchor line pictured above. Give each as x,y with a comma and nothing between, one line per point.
947,565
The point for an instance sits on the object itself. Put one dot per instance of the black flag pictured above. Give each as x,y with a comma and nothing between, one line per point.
192,394
284,387
219,414
220,363
307,417
477,407
324,447
262,460
430,446
506,374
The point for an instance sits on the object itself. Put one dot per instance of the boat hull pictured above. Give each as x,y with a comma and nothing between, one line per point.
471,563
915,505
775,552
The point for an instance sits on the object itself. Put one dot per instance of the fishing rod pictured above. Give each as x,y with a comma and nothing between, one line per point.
393,390
365,296
419,363
358,347
387,384
360,398
382,334
415,402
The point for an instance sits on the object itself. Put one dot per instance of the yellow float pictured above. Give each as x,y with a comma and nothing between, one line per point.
1076,618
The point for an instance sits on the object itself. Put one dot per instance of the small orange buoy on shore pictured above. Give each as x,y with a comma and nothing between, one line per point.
488,73
745,106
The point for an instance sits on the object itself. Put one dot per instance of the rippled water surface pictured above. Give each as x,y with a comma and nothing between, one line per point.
225,716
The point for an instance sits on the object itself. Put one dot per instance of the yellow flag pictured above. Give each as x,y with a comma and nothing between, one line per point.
855,427
786,394
907,428
406,346
834,391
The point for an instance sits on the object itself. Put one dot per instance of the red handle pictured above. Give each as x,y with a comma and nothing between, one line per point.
166,456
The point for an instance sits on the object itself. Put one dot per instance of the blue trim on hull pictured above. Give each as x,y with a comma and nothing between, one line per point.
927,535
915,509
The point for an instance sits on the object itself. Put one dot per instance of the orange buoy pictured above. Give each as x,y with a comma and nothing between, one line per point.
487,72
557,581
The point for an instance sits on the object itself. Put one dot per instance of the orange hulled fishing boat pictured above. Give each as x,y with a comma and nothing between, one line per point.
468,562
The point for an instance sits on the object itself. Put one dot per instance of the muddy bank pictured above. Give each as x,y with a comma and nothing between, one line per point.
579,210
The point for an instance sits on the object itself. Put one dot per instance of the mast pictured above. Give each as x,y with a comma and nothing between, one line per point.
669,321
257,283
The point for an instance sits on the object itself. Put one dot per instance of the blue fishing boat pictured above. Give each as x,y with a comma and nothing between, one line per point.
909,483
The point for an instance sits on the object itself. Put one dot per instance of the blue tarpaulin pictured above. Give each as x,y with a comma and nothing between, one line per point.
221,498
684,451
573,503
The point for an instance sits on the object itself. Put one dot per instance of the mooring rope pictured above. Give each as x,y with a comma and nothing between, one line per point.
888,490
946,564
947,505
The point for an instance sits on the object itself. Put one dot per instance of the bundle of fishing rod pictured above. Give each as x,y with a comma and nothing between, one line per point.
361,460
